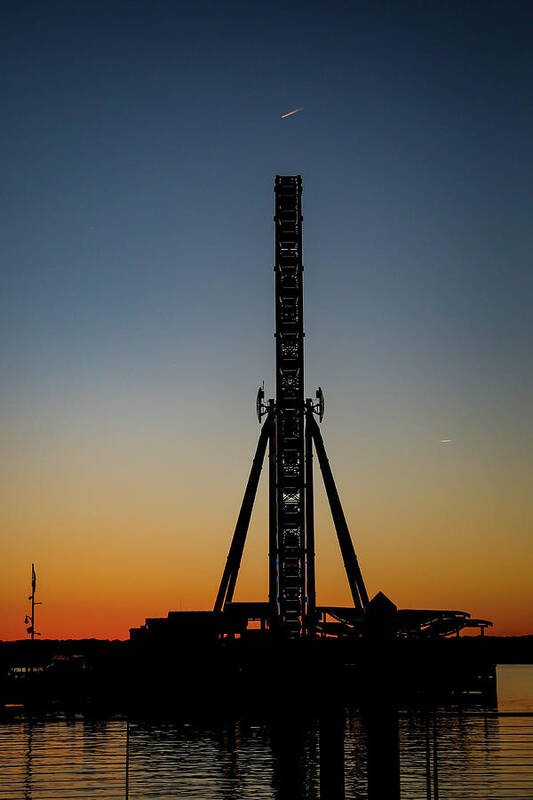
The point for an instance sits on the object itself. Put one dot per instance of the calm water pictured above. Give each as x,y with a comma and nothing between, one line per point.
475,754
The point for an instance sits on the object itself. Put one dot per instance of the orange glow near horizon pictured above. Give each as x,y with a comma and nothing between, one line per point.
120,568
127,505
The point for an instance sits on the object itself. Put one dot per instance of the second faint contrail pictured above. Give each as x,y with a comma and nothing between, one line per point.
290,113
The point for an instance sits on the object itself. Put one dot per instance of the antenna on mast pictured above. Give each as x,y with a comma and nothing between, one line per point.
260,406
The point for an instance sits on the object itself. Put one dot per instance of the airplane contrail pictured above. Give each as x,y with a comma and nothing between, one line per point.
290,113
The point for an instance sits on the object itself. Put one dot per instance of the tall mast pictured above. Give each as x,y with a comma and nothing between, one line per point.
290,548
31,619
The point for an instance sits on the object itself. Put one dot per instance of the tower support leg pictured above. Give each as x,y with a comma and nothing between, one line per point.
272,526
233,562
310,525
351,565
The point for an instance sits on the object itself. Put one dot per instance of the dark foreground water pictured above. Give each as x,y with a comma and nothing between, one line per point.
475,753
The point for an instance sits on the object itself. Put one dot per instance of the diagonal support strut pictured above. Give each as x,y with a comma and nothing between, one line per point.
351,565
233,562
309,524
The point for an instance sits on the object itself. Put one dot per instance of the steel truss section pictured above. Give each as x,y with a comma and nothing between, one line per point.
290,597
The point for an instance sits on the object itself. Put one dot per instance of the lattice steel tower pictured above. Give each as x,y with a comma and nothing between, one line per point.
288,549
290,430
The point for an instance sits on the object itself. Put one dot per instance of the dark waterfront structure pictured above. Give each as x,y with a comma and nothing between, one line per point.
289,432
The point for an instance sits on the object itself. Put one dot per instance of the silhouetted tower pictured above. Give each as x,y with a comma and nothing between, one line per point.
290,430
288,547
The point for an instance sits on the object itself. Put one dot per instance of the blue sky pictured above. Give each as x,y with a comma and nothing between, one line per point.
139,145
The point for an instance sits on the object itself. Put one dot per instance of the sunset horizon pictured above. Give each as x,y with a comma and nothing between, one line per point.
139,299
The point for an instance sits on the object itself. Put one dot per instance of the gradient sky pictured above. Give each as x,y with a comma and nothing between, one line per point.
139,143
